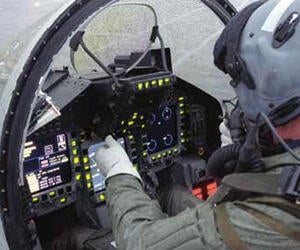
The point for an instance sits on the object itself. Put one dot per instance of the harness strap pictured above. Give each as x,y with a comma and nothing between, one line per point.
272,223
229,235
279,203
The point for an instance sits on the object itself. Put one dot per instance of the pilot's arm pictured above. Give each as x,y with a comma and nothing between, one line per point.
138,222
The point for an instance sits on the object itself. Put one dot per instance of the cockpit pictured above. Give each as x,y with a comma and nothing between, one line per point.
142,72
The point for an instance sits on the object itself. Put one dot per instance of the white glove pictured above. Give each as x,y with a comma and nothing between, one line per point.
112,160
225,135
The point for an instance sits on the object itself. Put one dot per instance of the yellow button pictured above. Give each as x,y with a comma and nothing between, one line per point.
130,137
181,98
181,105
143,126
75,151
74,143
102,197
130,123
88,176
161,82
89,185
86,167
181,112
63,200
140,86
154,83
76,160
52,194
147,85
78,177
35,199
167,80
85,159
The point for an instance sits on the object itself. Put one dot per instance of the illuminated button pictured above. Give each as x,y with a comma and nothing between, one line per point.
181,112
201,151
154,83
170,152
124,131
167,80
74,143
123,122
52,194
145,153
147,85
130,137
35,199
102,197
86,167
182,133
140,86
63,200
158,156
142,117
153,158
181,105
175,150
130,123
76,160
161,82
143,126
89,185
75,151
181,98
164,154
88,176
85,159
78,177
182,140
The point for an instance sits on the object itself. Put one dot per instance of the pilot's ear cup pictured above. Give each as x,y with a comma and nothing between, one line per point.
224,161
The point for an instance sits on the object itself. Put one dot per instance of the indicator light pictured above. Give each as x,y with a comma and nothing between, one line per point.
181,112
124,131
164,154
143,126
169,152
153,158
75,151
182,140
122,122
159,156
52,194
63,200
87,167
74,143
102,197
78,177
136,167
160,82
145,154
89,185
35,199
88,176
85,159
181,98
140,86
130,137
181,105
76,160
147,85
167,80
154,83
142,117
130,123
175,150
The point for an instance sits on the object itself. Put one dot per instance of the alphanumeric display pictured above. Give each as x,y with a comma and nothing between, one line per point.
46,162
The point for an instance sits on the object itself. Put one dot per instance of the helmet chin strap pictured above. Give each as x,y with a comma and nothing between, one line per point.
277,136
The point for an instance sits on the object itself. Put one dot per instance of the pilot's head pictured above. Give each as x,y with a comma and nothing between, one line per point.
260,50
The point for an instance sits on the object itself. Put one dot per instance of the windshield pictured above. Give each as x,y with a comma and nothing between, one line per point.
188,28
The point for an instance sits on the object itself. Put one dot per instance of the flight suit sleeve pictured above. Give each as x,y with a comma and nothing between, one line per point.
138,222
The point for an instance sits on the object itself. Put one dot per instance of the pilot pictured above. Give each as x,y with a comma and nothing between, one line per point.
257,204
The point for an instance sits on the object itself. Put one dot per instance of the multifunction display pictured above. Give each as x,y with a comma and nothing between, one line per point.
46,162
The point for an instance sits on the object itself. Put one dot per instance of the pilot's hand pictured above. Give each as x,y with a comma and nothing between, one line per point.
225,135
112,160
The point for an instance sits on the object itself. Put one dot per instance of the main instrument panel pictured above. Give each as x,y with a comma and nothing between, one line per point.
158,119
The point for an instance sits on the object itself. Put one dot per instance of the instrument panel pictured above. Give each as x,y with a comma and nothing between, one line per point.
158,119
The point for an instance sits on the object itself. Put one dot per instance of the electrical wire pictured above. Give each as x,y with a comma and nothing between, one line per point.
278,137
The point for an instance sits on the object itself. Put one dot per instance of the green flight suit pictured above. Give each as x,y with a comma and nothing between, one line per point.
139,223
